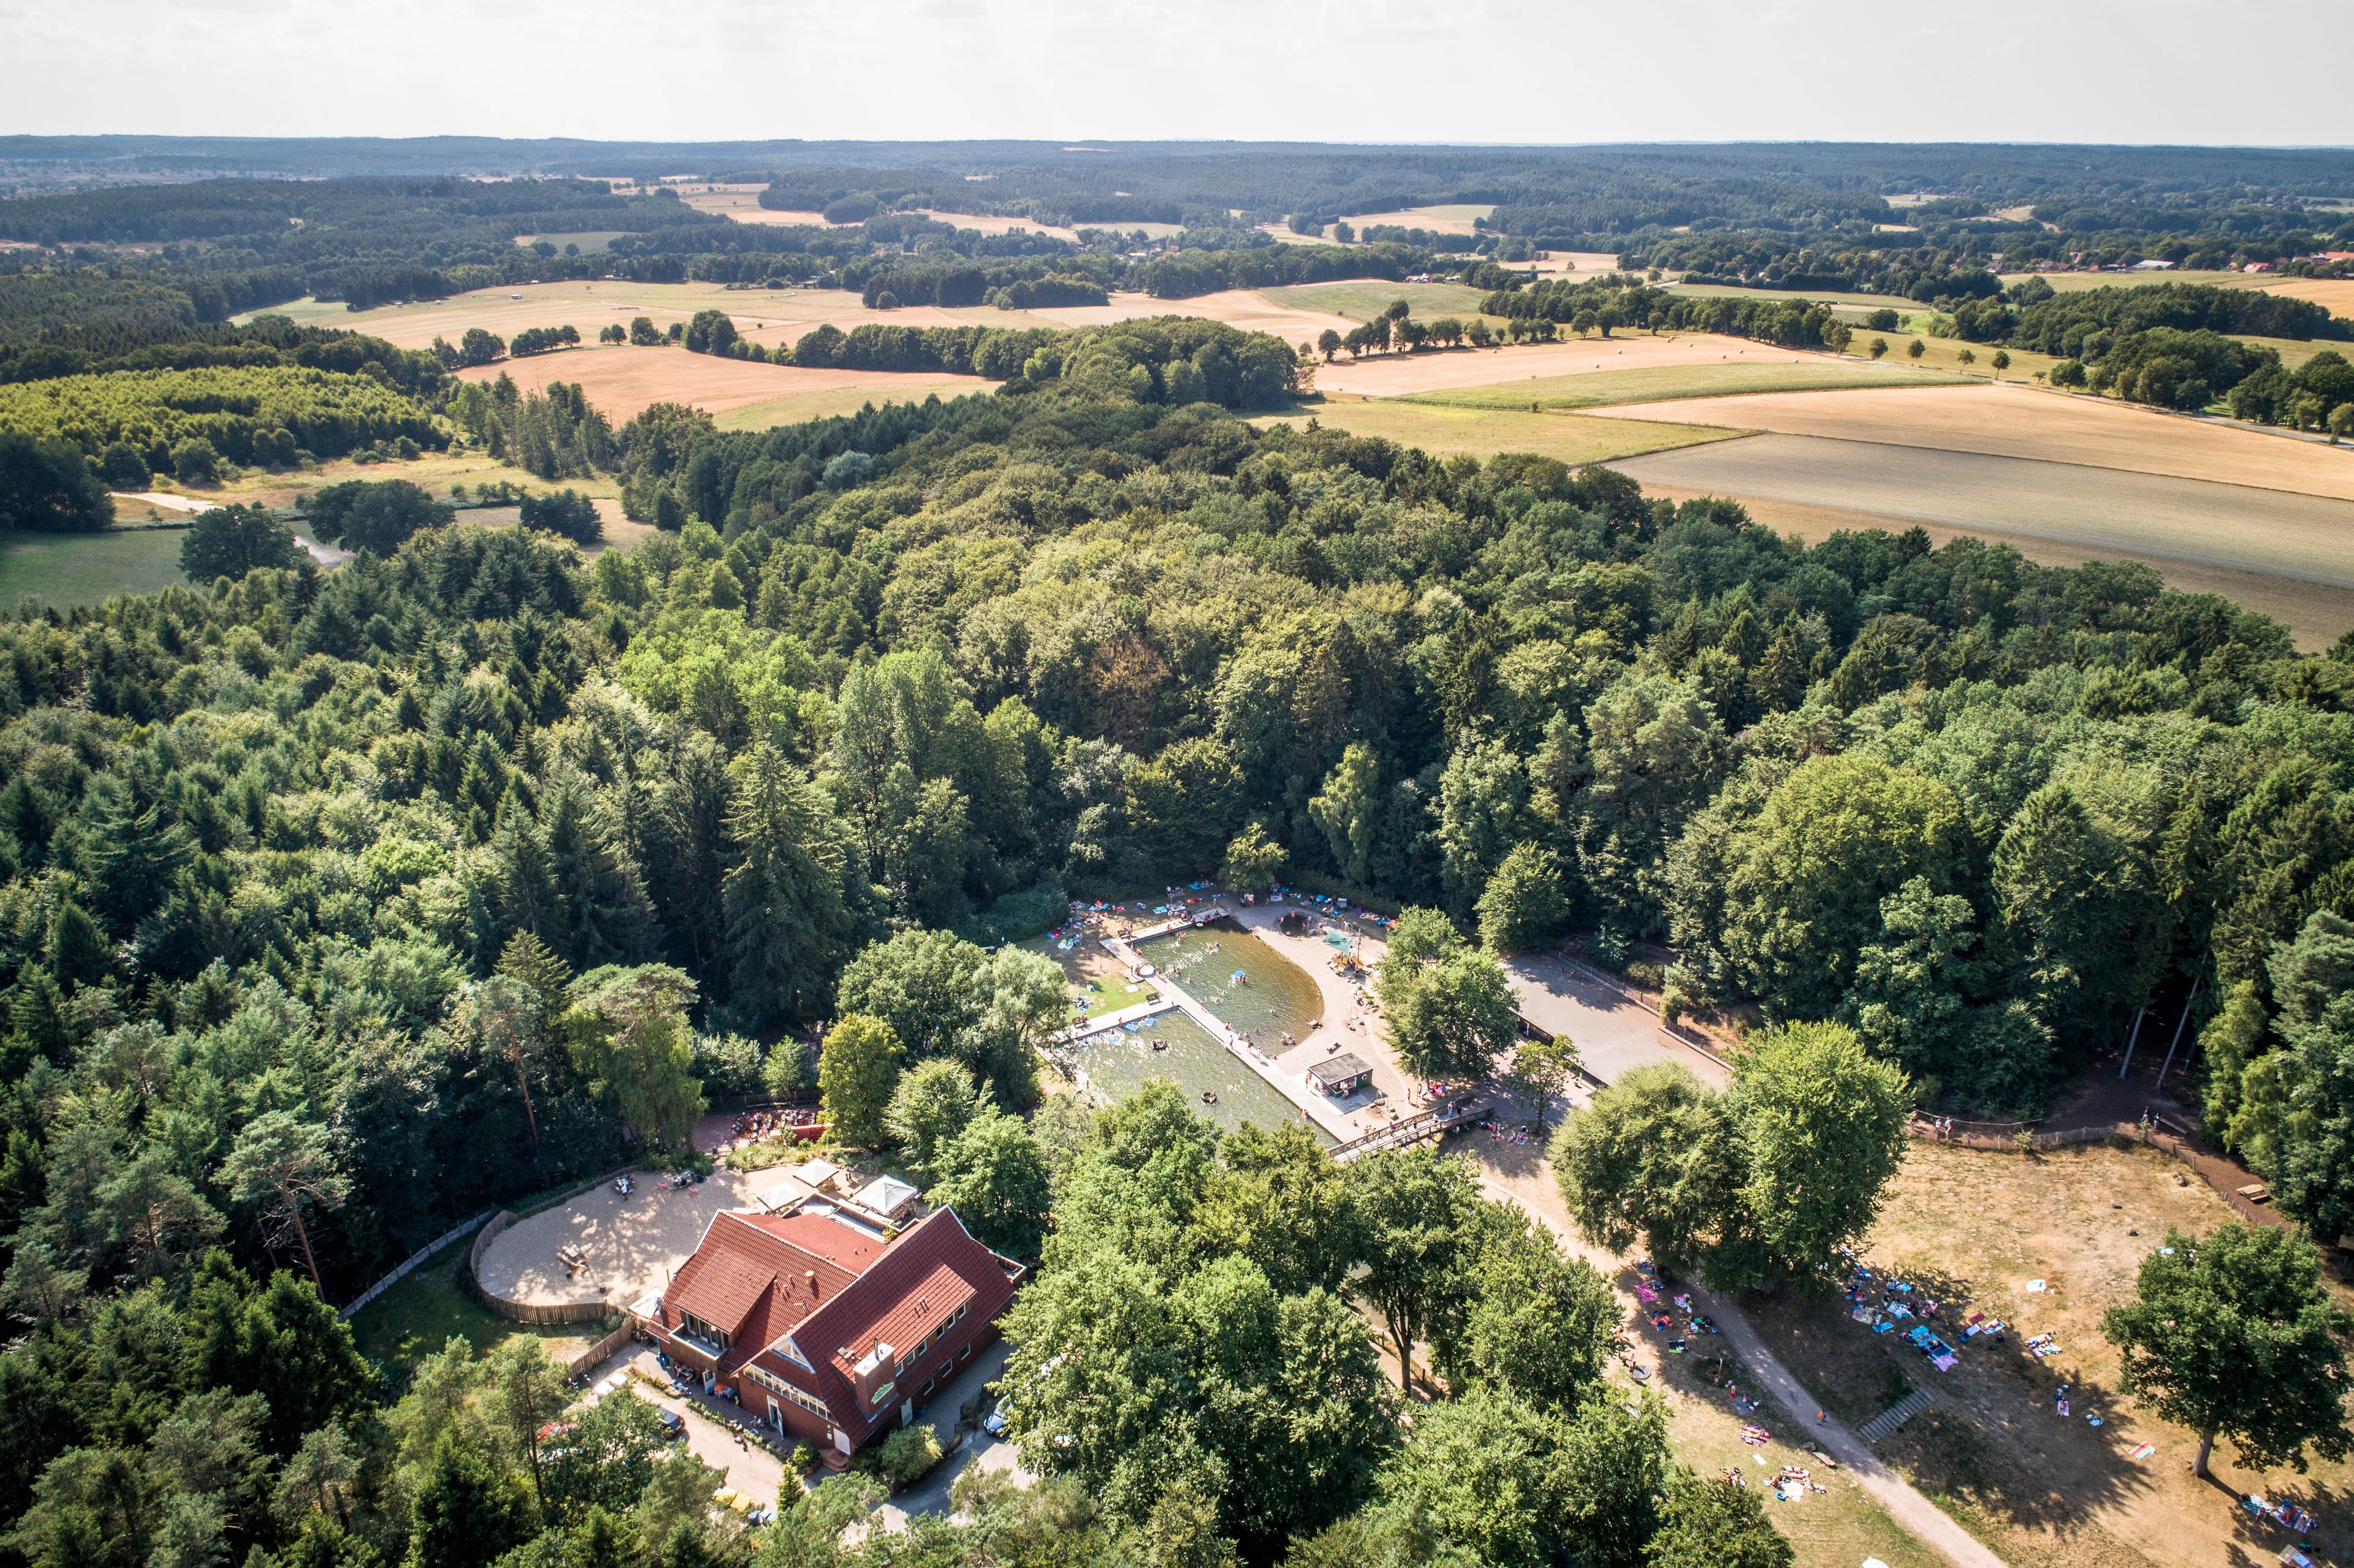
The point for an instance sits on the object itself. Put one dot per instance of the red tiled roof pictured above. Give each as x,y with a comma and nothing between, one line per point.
932,1268
724,1291
930,1302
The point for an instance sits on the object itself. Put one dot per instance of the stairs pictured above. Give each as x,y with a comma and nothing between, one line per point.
1895,1415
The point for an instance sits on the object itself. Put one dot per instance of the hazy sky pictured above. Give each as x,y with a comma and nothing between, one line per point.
1454,71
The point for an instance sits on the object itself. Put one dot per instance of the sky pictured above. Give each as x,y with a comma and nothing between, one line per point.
2212,71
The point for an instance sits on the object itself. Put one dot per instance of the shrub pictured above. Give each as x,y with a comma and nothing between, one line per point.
908,1455
195,461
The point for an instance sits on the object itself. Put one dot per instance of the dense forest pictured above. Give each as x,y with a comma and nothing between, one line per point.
340,906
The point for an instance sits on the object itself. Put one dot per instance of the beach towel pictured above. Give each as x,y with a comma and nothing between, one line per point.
1945,1362
1755,1434
2141,1451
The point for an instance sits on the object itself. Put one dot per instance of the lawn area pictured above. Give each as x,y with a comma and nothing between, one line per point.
1653,383
416,1317
1443,430
1362,300
67,570
1945,354
1980,1232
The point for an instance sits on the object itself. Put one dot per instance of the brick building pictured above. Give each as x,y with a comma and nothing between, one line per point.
830,1328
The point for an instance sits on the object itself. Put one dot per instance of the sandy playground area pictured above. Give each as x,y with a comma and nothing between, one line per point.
633,1244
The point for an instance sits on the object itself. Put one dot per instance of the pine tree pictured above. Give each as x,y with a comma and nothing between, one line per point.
789,926
601,914
77,948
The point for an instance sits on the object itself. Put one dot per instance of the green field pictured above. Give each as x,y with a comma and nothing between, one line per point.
2069,282
1363,301
1443,430
416,1317
1733,292
67,570
1654,383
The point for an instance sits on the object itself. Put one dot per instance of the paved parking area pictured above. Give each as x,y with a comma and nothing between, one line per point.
980,1451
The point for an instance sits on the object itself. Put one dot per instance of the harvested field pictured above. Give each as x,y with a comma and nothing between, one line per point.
1245,308
2334,294
741,202
990,224
1596,388
1508,369
1573,438
1973,1229
2013,420
766,316
2317,613
1946,353
2156,517
622,381
1282,235
435,472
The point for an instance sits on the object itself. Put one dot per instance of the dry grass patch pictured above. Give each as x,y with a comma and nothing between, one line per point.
435,472
1573,438
1977,1228
2013,420
1455,218
825,402
620,382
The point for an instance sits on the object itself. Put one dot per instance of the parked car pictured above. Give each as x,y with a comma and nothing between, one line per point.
994,1423
674,1425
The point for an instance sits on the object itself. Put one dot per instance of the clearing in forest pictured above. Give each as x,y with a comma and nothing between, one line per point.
1981,1229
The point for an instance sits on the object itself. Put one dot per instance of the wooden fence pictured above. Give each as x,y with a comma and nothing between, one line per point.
408,1266
595,1353
534,1311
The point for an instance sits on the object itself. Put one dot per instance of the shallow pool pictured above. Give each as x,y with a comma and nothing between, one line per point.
1246,984
1118,1064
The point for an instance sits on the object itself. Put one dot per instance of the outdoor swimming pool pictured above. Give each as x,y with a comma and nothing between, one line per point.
1273,996
1118,1064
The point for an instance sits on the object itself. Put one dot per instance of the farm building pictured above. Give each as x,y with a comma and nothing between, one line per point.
827,1328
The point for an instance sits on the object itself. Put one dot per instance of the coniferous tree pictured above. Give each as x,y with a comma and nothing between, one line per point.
790,920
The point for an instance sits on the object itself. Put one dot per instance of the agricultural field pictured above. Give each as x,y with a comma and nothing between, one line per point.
766,316
2014,420
2334,294
2317,614
1363,301
1508,370
1655,382
1455,218
2044,1491
620,382
858,390
69,570
1573,438
2157,517
1248,309
592,242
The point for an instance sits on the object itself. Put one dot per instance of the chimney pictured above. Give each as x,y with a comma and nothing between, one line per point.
813,1284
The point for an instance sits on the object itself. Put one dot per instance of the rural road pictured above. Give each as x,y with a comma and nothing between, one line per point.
1916,1515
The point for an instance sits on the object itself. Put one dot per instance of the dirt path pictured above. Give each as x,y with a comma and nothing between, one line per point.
1917,1514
